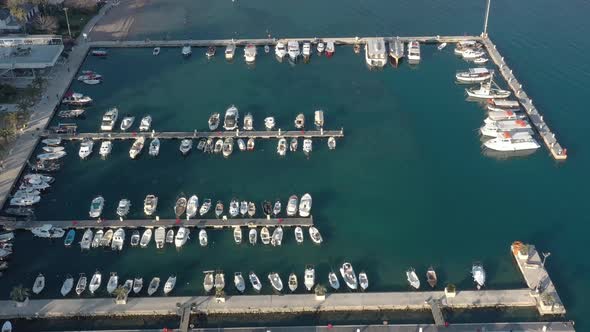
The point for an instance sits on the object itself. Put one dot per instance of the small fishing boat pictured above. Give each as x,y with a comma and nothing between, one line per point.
251,209
205,207
127,122
185,146
228,146
248,122
219,281
413,278
431,277
123,207
253,236
68,114
97,238
118,239
70,238
276,210
305,205
250,144
137,285
81,284
170,283
292,205
282,146
95,282
156,51
347,273
299,235
201,145
203,238
181,237
153,286
192,206
208,281
363,280
105,148
218,209
243,208
309,277
481,60
113,282
331,143
269,122
150,204
51,141
330,49
241,144
473,75
96,207
300,121
86,239
275,281
293,282
485,91
163,236
321,47
255,281
265,235
214,121
237,234
146,237
186,50
333,280
218,146
315,235
441,46
479,275
127,286
136,147
106,239
145,123
210,51
234,208
154,149
307,146
67,286
239,282
180,206
318,118
230,51
277,236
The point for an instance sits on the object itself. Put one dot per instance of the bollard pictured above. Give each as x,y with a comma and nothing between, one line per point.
279,131
322,131
157,218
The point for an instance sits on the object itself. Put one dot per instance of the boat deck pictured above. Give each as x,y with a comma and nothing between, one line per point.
139,223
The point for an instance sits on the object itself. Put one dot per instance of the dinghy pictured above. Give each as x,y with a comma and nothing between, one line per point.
254,281
237,234
81,285
67,286
315,235
137,285
95,282
299,235
208,281
309,277
253,236
153,286
239,282
203,238
39,284
113,283
292,282
265,235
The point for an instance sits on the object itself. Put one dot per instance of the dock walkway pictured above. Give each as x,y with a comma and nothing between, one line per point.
139,223
557,151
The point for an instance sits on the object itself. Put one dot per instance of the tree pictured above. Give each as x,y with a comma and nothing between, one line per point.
320,290
45,23
11,120
16,9
19,293
6,133
120,293
86,6
22,106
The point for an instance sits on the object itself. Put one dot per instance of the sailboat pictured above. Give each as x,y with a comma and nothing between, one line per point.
95,282
81,284
67,286
431,277
239,282
253,236
153,286
309,277
347,273
113,283
413,278
203,238
255,281
208,281
293,282
170,283
275,281
333,280
237,234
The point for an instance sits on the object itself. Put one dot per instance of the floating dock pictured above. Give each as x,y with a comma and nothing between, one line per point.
143,223
200,134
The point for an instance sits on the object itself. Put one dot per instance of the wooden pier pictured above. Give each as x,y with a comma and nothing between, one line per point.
143,223
199,134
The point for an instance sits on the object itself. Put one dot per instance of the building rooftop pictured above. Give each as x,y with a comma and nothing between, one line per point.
29,52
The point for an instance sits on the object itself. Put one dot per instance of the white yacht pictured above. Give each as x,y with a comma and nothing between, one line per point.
269,122
282,146
293,50
123,207
375,53
280,50
413,278
162,237
186,50
186,146
277,236
231,118
137,285
154,148
485,91
479,275
414,52
396,50
315,235
118,239
473,54
105,148
145,123
330,49
309,277
77,99
234,208
230,51
203,239
495,128
347,273
208,281
94,282
248,122
474,75
306,50
241,144
146,237
181,237
205,207
292,205
109,119
150,204
192,207
298,234
106,238
300,121
250,53
26,200
136,147
321,47
97,238
293,282
86,239
127,122
307,146
508,142
96,207
219,281
503,115
305,205
265,235
85,148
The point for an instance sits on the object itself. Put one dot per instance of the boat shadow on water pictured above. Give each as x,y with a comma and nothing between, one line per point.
503,155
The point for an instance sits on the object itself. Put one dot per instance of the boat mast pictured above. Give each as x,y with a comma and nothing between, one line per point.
485,25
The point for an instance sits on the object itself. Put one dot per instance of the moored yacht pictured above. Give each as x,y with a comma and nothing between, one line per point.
431,277
363,280
180,206
292,205
275,281
85,148
474,75
413,278
414,52
396,50
109,119
495,128
239,282
136,147
508,142
186,50
503,115
94,282
214,121
192,206
298,235
105,148
293,50
300,121
375,53
161,237
250,53
255,281
305,205
293,282
333,280
330,49
150,204
315,235
282,146
479,275
118,239
205,207
485,91
321,47
293,144
473,54
253,236
181,237
76,99
269,122
248,122
230,51
127,122
145,123
237,234
307,146
306,50
123,207
228,146
280,50
185,146
154,148
96,207
349,276
231,118
309,277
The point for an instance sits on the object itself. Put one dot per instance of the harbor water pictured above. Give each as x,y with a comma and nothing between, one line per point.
408,185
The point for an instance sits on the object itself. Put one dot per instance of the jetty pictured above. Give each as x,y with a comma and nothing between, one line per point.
13,224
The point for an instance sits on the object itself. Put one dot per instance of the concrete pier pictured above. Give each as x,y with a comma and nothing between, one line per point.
139,223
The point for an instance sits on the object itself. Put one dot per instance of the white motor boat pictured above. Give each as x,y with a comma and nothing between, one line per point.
318,118
265,235
123,207
230,51
51,156
255,281
228,147
127,286
299,235
347,273
239,282
86,239
277,236
107,238
97,238
203,240
441,46
485,91
333,280
396,50
156,51
77,99
186,50
146,237
153,286
218,146
282,146
53,148
161,237
109,119
192,206
95,282
154,149
307,146
81,284
181,237
305,205
276,210
331,143
321,47
309,277
39,284
186,146
136,147
306,50
96,207
25,200
231,118
205,207
300,121
208,281
473,53
248,122
145,123
85,148
474,75
137,285
150,204
363,280
113,282
315,235
253,236
127,122
496,128
292,205
219,281
234,208
512,142
118,239
241,144
293,284
330,49
237,234
269,123
280,50
293,50
375,53
479,275
243,208
251,209
250,53
413,278
47,231
51,141
481,60
504,115
414,52
105,148
213,121
275,281
169,285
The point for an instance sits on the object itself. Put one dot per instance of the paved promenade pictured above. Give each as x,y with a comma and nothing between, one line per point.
244,304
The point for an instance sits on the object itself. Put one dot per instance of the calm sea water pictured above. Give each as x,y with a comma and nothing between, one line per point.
407,186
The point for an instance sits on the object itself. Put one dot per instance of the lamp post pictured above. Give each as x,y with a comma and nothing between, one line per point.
485,25
545,255
68,21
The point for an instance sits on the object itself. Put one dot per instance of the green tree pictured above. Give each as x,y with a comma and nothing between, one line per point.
23,106
120,293
320,290
46,23
11,121
6,133
19,293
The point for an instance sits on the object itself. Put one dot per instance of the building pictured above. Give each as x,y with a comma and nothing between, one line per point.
8,24
31,10
28,56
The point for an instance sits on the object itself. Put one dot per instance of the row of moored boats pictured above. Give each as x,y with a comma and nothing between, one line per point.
6,250
477,272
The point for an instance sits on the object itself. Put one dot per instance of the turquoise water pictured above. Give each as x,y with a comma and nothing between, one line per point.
407,186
